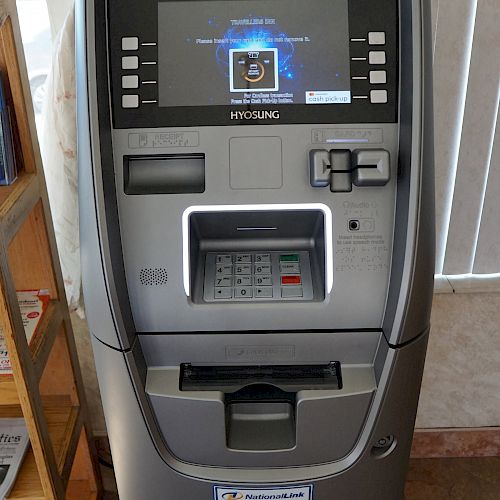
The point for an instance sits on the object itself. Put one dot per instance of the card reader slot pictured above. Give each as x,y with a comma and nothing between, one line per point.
164,174
230,379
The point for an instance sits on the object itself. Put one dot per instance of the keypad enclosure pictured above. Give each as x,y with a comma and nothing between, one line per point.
258,276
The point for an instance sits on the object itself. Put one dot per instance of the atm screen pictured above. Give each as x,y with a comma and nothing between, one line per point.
253,52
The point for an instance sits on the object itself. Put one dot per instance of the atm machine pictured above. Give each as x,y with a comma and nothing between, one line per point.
256,186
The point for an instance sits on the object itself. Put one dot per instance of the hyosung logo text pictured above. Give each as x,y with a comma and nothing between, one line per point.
255,115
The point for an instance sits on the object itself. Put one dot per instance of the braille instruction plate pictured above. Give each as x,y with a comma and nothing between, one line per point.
228,493
257,276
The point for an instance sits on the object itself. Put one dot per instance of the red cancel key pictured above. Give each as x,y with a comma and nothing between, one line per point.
291,280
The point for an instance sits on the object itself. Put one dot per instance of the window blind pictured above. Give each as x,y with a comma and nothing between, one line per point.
467,143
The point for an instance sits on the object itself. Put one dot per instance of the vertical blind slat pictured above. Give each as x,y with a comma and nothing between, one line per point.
487,259
453,34
475,145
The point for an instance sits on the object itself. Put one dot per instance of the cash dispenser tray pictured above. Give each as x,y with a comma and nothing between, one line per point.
260,417
260,401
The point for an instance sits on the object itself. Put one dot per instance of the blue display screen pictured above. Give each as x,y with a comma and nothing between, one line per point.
253,53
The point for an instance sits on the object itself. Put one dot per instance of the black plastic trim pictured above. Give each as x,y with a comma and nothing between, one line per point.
130,17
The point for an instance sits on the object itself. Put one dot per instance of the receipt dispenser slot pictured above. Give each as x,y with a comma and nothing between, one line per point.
165,174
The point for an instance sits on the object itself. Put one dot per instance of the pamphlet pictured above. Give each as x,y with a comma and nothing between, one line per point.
14,442
32,304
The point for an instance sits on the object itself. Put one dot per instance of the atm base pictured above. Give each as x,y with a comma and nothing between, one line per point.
372,473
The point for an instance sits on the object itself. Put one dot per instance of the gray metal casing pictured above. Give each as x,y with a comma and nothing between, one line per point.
379,329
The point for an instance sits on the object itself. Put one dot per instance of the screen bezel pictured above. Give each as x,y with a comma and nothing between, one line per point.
126,17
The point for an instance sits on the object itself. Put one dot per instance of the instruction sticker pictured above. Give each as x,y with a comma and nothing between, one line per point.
301,493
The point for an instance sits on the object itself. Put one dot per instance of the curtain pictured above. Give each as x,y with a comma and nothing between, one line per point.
58,147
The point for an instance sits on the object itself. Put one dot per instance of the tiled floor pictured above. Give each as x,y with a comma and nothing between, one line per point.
454,479
428,479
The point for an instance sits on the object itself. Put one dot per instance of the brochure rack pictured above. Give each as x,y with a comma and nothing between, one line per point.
46,387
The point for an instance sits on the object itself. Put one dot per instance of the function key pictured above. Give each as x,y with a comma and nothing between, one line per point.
378,77
378,96
130,62
130,101
290,268
224,259
223,293
130,43
265,292
262,268
243,280
376,38
243,258
291,280
224,281
224,270
130,82
292,257
377,57
262,257
263,280
243,292
243,269
288,292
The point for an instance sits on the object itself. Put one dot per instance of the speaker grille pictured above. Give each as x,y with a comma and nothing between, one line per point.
153,276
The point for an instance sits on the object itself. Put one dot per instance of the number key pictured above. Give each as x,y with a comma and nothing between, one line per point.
243,280
223,281
243,258
243,269
262,257
243,293
224,270
263,280
262,268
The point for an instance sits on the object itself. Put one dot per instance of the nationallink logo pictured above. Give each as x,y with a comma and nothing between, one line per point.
233,496
255,115
237,495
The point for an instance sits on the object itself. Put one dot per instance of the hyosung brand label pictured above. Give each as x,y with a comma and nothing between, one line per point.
231,493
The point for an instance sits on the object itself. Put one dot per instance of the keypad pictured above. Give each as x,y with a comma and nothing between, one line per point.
258,276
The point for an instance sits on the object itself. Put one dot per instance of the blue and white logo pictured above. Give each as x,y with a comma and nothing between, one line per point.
299,493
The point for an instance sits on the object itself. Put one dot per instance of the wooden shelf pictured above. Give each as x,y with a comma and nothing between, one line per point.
64,426
40,347
16,202
8,392
46,388
43,340
28,483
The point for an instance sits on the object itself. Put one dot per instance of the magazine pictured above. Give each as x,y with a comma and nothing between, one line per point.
14,442
32,304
